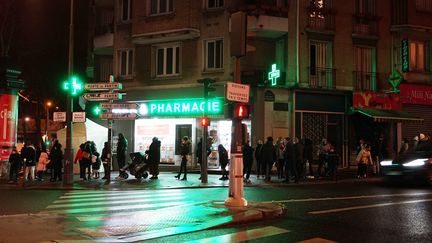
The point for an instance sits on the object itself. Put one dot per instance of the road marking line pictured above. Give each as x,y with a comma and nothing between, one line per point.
368,206
244,235
110,202
350,197
105,197
113,208
107,194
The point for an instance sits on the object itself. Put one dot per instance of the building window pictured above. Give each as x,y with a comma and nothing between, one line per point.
365,7
214,54
167,61
321,74
417,56
161,6
126,62
126,10
317,9
212,4
364,74
424,5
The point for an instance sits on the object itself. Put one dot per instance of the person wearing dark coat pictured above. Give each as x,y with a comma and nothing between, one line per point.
122,145
105,158
258,157
29,155
185,150
269,156
290,161
298,159
56,157
96,161
223,161
15,162
247,161
154,156
86,157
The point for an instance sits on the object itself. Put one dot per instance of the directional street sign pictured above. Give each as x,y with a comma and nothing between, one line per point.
119,116
102,96
103,86
109,106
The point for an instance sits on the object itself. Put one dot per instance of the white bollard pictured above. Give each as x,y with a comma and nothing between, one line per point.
235,197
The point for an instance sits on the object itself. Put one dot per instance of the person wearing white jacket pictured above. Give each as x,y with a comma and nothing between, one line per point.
42,163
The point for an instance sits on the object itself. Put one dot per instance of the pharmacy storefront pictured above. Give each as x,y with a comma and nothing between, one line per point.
170,120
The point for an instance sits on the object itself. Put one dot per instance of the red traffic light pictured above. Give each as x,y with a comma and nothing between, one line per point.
205,121
241,111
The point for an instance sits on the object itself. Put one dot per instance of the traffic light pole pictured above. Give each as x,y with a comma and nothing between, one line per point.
236,195
69,153
204,164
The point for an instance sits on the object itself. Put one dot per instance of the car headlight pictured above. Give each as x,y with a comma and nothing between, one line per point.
386,162
417,162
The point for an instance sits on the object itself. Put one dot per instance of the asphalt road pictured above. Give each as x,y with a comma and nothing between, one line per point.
340,212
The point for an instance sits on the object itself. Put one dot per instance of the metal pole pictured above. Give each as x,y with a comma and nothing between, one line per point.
204,174
235,196
110,124
68,168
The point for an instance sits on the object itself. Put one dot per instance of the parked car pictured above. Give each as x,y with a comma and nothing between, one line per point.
409,166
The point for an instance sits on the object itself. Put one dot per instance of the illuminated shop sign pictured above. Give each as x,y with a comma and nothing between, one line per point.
183,107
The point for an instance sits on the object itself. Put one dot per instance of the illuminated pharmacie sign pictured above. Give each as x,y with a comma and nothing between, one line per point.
182,107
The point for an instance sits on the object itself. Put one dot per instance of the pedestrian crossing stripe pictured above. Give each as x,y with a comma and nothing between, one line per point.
244,235
113,198
109,194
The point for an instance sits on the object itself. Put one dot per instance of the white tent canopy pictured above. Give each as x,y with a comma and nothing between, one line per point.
82,132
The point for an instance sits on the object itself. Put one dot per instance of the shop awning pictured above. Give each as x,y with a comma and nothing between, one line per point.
388,115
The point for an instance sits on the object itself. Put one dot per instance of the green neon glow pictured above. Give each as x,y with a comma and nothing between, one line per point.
73,85
97,110
182,107
274,74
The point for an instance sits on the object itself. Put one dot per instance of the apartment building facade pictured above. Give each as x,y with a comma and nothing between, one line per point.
330,54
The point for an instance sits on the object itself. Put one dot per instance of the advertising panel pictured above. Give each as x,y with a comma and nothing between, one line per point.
8,124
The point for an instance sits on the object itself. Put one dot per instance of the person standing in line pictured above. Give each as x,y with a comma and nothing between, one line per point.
404,146
56,157
269,157
247,161
78,158
324,148
184,152
290,161
298,158
15,162
280,147
29,155
258,157
154,157
42,162
105,157
223,161
308,156
96,161
86,157
122,145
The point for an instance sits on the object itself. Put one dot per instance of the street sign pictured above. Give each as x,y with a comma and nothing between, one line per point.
102,96
78,117
119,116
103,86
59,116
237,92
109,106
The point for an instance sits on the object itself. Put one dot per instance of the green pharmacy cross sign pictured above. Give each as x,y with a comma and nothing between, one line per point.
274,75
73,85
395,79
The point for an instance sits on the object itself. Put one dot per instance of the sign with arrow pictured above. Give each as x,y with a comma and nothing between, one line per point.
103,86
119,116
102,96
110,106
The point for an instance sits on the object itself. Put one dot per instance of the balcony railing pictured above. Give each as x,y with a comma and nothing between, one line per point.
364,81
324,78
365,24
265,7
321,19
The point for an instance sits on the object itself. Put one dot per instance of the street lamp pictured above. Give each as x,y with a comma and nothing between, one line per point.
47,106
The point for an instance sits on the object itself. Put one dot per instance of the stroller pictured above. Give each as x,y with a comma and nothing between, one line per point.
138,166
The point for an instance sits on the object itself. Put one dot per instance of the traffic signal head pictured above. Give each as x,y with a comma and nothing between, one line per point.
241,111
207,89
205,121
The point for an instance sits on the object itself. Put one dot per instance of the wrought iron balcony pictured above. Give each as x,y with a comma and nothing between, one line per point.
321,19
365,24
324,78
364,81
